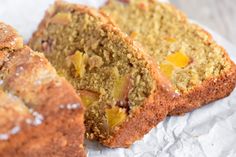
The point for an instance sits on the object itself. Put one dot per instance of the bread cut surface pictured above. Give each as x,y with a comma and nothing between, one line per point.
41,114
199,69
123,94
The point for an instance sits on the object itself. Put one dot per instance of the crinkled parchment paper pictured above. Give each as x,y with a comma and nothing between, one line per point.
207,132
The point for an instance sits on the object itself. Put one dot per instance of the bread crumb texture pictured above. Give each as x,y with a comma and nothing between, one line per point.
111,74
184,52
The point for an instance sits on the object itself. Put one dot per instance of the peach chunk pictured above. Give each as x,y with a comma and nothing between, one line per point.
115,116
133,35
88,97
167,69
179,59
79,61
121,88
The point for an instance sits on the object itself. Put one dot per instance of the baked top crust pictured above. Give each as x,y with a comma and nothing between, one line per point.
9,38
41,114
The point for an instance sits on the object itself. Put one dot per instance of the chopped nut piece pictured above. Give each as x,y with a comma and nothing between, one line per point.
95,62
79,61
62,18
167,69
179,59
115,116
88,97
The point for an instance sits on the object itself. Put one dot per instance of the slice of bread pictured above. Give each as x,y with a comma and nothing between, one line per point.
124,94
41,114
199,69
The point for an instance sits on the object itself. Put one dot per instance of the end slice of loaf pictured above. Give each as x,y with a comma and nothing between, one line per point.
124,94
41,114
199,69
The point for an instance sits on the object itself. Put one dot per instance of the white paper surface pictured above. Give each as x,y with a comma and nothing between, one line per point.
207,132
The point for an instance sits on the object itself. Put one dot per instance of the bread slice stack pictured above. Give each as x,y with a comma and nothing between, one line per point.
124,94
132,63
41,114
199,69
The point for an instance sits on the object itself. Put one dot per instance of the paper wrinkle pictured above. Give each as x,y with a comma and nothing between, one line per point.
206,132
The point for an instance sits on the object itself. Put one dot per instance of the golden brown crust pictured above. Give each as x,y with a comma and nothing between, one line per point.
9,38
60,134
155,107
153,110
56,126
209,90
146,117
12,111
